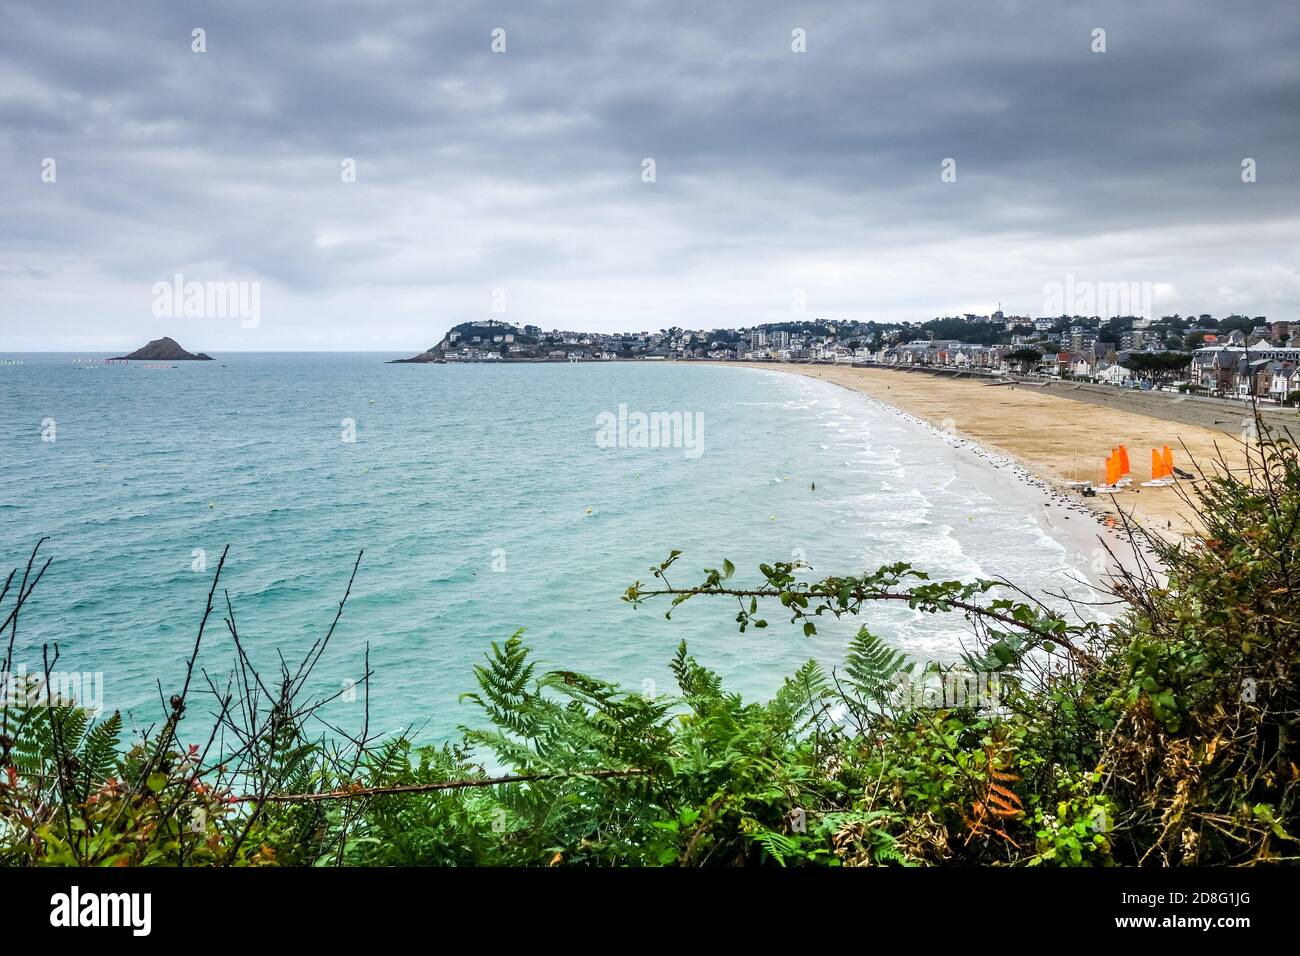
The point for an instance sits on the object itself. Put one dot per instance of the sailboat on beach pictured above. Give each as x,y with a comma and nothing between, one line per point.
1162,468
1117,471
1076,482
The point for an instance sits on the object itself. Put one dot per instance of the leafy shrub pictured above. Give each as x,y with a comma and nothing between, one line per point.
1168,737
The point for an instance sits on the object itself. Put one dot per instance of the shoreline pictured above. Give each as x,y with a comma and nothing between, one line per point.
1053,438
1044,440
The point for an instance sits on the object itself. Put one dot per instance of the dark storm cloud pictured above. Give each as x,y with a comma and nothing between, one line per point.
775,170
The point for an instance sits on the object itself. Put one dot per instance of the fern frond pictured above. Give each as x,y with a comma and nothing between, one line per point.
504,682
99,752
873,667
802,696
777,845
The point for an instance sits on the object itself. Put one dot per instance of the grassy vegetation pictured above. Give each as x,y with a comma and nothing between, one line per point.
1166,738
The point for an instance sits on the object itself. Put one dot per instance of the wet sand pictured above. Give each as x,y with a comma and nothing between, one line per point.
1053,438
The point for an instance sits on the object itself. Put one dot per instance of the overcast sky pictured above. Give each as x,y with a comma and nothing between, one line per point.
778,174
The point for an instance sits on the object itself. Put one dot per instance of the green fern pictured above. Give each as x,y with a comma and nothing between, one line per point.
803,696
693,679
504,683
873,667
879,843
33,742
49,738
99,753
43,732
887,850
777,845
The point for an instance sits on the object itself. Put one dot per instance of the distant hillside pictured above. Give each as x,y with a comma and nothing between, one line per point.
486,336
486,333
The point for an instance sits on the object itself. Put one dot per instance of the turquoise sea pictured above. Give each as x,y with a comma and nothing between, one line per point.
484,503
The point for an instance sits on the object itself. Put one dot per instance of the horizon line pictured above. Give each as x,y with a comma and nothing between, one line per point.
224,352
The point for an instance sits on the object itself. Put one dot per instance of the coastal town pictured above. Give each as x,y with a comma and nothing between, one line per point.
1235,356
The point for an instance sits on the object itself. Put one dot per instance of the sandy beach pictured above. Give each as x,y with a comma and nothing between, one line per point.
1054,438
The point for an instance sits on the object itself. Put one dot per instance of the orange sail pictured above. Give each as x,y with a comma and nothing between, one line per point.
1168,458
1157,465
1123,460
1112,469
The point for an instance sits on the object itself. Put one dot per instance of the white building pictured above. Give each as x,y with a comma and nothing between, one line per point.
1113,374
1284,380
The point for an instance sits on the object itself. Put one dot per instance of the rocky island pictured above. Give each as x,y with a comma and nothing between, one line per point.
165,349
